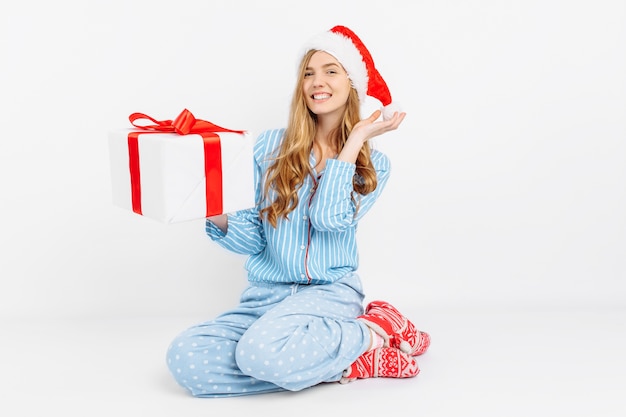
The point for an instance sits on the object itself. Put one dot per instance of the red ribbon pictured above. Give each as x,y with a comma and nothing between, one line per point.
184,124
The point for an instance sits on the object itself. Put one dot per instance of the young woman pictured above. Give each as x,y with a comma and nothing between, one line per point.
301,320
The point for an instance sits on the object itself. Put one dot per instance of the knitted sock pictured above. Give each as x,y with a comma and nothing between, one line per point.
396,329
382,362
377,340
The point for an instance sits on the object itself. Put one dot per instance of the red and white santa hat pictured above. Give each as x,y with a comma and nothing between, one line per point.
350,51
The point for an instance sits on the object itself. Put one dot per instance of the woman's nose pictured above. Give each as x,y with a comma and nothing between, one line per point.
318,80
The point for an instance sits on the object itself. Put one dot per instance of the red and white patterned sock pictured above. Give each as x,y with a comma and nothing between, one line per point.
377,340
383,362
395,328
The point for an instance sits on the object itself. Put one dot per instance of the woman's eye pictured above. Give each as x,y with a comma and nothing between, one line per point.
308,74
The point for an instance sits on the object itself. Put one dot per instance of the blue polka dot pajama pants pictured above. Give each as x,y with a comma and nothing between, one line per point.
279,337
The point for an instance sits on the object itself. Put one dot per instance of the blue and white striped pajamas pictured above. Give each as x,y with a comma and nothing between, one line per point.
296,325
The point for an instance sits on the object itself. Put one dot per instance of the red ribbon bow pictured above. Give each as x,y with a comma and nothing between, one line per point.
184,124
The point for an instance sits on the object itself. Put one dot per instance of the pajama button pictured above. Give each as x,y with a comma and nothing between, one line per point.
302,247
305,217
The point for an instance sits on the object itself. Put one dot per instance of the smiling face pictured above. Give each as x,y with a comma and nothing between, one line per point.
326,85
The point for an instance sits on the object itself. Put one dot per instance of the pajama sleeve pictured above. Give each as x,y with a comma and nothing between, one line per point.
332,206
245,230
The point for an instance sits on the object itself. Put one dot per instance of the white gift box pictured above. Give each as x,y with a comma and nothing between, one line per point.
172,174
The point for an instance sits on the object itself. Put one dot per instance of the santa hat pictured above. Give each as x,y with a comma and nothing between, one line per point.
350,51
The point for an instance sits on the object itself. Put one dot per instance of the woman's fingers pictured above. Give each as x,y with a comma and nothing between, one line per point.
369,128
387,125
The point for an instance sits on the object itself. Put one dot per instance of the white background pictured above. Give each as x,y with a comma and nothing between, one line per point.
508,184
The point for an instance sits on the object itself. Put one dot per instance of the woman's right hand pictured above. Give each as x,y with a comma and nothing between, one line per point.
221,221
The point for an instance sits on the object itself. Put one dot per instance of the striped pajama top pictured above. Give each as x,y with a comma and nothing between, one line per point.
317,243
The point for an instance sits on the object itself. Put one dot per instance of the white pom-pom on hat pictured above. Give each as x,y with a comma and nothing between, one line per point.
350,51
389,110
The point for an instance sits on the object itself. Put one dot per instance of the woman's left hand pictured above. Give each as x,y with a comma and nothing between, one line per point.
365,130
369,128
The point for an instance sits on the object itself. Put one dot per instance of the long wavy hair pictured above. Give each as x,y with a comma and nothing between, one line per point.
289,168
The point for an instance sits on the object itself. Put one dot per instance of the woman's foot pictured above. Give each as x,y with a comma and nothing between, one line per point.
384,362
395,328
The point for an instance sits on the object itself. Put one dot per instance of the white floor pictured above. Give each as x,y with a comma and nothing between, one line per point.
490,363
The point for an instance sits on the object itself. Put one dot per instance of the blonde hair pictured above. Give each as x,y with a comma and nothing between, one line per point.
286,174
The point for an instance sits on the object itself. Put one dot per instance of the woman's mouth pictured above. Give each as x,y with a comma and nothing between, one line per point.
321,96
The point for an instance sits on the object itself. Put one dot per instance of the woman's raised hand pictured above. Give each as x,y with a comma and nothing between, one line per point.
371,127
365,130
